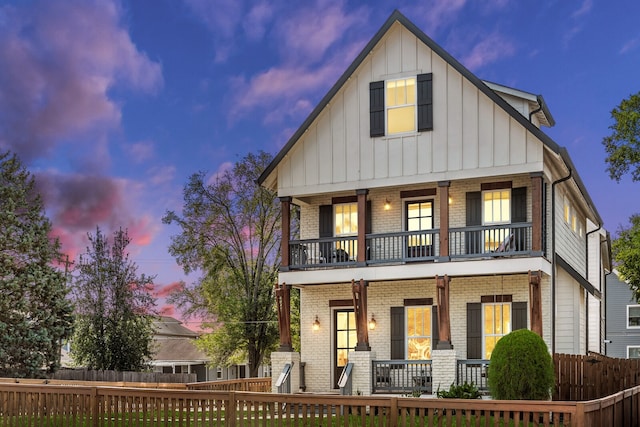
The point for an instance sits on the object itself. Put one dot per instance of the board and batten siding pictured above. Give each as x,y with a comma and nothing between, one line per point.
471,135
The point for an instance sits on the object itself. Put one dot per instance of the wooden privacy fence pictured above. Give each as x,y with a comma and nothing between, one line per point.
24,404
592,376
259,385
122,376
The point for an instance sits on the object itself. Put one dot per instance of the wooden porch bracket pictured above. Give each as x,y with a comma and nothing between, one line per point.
283,300
444,321
359,290
535,298
285,203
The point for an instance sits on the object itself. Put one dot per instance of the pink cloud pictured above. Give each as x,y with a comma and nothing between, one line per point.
165,291
492,48
77,203
437,14
60,60
308,34
257,19
167,310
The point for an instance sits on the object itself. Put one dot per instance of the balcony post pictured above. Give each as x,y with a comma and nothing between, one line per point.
535,299
359,290
285,203
444,321
362,226
444,220
536,213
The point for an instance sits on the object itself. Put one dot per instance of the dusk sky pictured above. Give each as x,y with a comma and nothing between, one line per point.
112,105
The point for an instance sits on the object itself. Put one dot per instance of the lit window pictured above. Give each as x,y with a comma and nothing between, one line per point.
567,211
401,105
419,220
419,333
633,352
497,323
633,316
496,209
346,224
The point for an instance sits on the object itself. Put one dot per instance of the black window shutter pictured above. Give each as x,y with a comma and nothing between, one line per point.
397,333
474,330
435,327
376,108
326,230
425,101
473,239
326,221
519,313
519,205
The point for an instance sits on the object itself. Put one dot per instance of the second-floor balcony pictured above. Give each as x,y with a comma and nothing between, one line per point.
505,240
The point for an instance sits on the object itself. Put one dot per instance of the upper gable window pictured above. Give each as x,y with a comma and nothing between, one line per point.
401,105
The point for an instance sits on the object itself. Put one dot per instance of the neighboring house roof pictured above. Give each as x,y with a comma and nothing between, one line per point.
178,350
169,326
483,87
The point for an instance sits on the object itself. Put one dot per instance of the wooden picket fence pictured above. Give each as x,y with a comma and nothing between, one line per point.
258,385
82,406
593,376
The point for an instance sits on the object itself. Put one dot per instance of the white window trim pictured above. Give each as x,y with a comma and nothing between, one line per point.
415,110
510,202
484,335
628,307
629,347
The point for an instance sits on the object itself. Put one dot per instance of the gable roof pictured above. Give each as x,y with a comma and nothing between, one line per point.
497,99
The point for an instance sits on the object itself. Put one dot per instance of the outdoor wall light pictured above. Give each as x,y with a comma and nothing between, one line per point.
372,323
450,200
316,324
387,204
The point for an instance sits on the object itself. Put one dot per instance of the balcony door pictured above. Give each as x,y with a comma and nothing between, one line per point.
419,221
345,340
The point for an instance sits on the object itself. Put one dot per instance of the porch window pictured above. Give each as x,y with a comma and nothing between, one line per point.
496,209
633,316
497,323
419,217
419,336
346,224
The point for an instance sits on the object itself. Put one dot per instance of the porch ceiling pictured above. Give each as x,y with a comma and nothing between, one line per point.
416,270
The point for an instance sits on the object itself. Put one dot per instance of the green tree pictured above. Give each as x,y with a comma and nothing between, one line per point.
35,314
623,145
626,253
114,307
521,367
230,232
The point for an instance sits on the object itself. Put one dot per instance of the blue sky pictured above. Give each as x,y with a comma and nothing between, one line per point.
112,105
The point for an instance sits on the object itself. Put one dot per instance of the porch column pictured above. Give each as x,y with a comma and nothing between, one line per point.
535,298
536,213
285,203
444,220
283,300
359,290
362,226
444,322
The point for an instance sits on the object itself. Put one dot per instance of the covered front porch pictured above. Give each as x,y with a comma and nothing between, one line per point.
399,354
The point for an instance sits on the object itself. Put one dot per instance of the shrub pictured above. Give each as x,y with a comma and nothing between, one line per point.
462,391
521,367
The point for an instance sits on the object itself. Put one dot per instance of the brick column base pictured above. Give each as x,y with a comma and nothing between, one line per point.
361,374
443,369
278,360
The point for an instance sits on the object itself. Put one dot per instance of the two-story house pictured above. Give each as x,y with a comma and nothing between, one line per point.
435,217
623,319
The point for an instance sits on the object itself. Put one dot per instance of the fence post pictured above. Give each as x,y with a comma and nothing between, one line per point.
230,414
393,412
579,421
94,407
